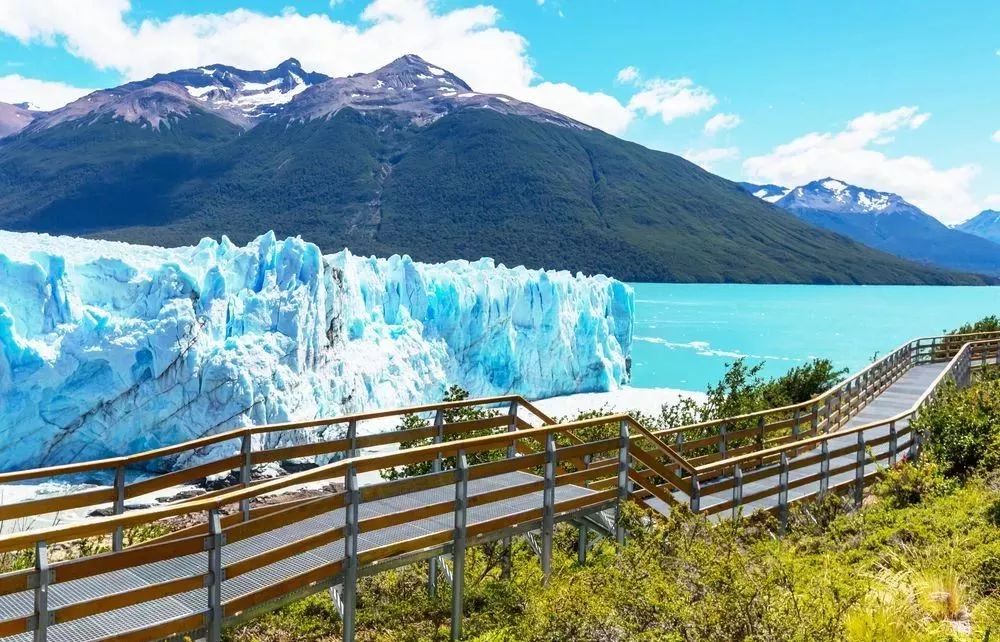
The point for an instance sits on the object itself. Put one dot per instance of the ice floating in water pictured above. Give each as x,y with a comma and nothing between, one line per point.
108,348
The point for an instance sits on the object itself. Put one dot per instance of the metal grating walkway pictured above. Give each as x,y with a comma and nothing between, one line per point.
899,396
122,620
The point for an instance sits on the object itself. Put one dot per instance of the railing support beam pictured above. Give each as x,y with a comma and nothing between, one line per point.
349,595
213,631
436,465
859,471
548,504
783,494
41,591
246,470
623,440
118,537
458,552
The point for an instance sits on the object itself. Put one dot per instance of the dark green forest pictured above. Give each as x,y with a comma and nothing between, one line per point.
474,183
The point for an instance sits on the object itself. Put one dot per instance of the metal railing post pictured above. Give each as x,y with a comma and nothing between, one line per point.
506,554
213,632
581,544
458,549
824,468
118,537
723,440
246,468
623,439
814,420
893,445
783,494
41,591
349,595
436,465
737,489
352,439
695,494
512,427
859,471
548,504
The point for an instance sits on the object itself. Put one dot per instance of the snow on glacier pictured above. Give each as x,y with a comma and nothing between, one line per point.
108,348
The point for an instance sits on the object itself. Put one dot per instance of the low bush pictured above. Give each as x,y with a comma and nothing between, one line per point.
962,427
911,483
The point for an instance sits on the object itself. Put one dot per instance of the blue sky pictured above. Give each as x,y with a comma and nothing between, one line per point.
899,96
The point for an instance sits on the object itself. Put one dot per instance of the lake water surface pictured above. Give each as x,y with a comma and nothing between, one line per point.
686,333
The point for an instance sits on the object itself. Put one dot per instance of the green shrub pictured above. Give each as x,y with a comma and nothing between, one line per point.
989,323
993,513
963,427
911,483
987,576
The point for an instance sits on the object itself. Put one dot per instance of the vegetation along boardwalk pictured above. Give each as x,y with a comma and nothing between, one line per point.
509,471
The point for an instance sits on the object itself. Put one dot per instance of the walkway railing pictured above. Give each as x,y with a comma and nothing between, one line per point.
511,478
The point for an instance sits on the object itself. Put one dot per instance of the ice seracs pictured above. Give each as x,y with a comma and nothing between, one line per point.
108,348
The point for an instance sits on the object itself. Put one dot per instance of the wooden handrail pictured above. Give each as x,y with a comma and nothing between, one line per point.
815,441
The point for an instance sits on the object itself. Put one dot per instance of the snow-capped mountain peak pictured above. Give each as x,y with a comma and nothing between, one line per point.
986,224
834,195
408,85
413,87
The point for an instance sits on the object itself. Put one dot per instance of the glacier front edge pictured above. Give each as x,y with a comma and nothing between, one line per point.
109,349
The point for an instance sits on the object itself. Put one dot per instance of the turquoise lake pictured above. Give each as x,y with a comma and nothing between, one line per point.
686,333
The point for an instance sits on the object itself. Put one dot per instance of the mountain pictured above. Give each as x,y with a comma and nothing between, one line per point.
986,225
405,159
770,193
887,222
14,118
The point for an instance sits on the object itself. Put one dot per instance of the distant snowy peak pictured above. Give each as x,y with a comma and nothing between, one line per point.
241,93
986,224
14,118
239,96
770,192
833,195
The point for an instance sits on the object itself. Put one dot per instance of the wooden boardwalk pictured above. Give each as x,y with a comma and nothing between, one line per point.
521,474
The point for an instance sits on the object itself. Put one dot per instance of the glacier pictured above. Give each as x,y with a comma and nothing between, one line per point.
108,348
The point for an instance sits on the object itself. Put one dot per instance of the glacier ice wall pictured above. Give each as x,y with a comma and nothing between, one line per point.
108,348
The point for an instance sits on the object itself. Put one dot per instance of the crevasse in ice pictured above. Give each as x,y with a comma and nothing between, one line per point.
108,348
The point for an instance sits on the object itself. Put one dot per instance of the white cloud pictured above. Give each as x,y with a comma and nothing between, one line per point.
43,93
720,122
708,158
671,99
996,136
850,155
627,75
992,200
467,41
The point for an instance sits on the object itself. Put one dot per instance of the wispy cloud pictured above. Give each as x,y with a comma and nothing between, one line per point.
721,122
708,158
627,75
44,94
671,99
